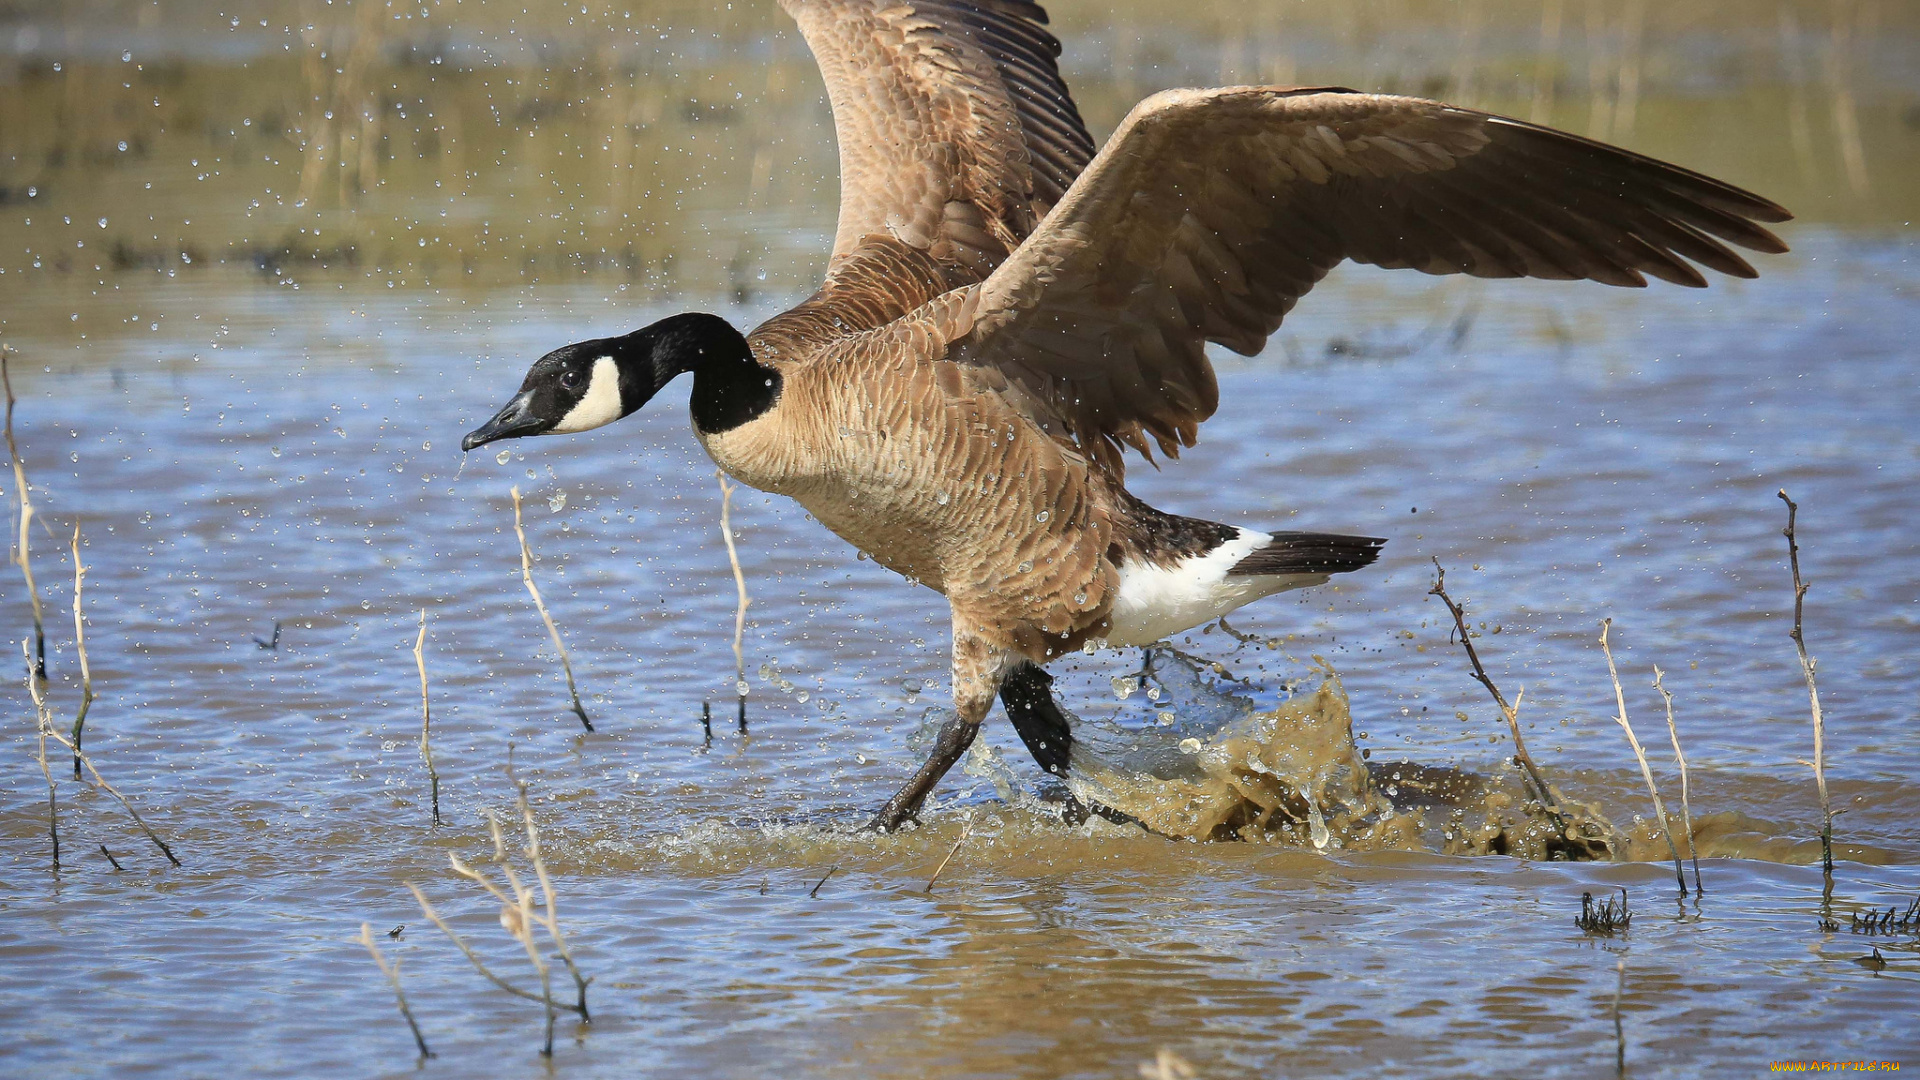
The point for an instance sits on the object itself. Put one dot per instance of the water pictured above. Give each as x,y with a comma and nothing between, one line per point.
276,440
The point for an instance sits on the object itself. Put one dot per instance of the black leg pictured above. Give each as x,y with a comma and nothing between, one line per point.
955,736
1027,693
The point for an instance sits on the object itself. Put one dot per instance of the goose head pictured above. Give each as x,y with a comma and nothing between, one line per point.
590,384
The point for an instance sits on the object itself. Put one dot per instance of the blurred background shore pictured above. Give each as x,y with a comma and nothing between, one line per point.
474,145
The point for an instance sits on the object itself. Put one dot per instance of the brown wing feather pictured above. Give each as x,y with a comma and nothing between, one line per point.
956,131
1211,212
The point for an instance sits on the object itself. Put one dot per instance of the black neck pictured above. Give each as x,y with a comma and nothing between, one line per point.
730,387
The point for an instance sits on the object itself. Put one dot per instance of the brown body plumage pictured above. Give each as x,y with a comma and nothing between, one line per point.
1005,313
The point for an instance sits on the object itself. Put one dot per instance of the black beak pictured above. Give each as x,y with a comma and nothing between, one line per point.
513,421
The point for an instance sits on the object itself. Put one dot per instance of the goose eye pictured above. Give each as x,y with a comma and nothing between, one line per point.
570,380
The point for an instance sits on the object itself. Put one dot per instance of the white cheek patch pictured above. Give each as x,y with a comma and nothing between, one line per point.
600,405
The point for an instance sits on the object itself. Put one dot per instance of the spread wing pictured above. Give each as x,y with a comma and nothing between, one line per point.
1211,212
956,132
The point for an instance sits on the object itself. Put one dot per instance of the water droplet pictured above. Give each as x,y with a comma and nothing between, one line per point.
1026,567
1317,824
861,758
557,502
276,451
1042,516
501,457
426,446
1080,599
1189,746
1153,693
1124,686
366,605
941,498
1165,718
802,697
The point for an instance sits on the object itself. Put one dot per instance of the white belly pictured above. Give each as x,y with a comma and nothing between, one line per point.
1156,602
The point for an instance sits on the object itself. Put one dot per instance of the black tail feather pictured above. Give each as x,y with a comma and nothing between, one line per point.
1310,553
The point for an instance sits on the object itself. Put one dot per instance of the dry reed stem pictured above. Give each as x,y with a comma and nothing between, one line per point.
51,732
1819,761
551,920
519,916
110,858
1619,1031
1511,712
80,641
41,724
473,958
739,584
1686,798
392,972
426,714
516,917
950,853
1167,1065
1646,771
38,659
526,575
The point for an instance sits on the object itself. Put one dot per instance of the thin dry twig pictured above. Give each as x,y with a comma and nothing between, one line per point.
51,732
739,584
426,714
1646,771
815,891
42,723
526,575
392,972
110,858
80,641
961,839
23,497
1511,712
1813,693
1686,798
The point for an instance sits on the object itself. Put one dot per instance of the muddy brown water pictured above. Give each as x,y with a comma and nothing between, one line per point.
254,425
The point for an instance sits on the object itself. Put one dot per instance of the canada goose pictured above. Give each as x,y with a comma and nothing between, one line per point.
1006,312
